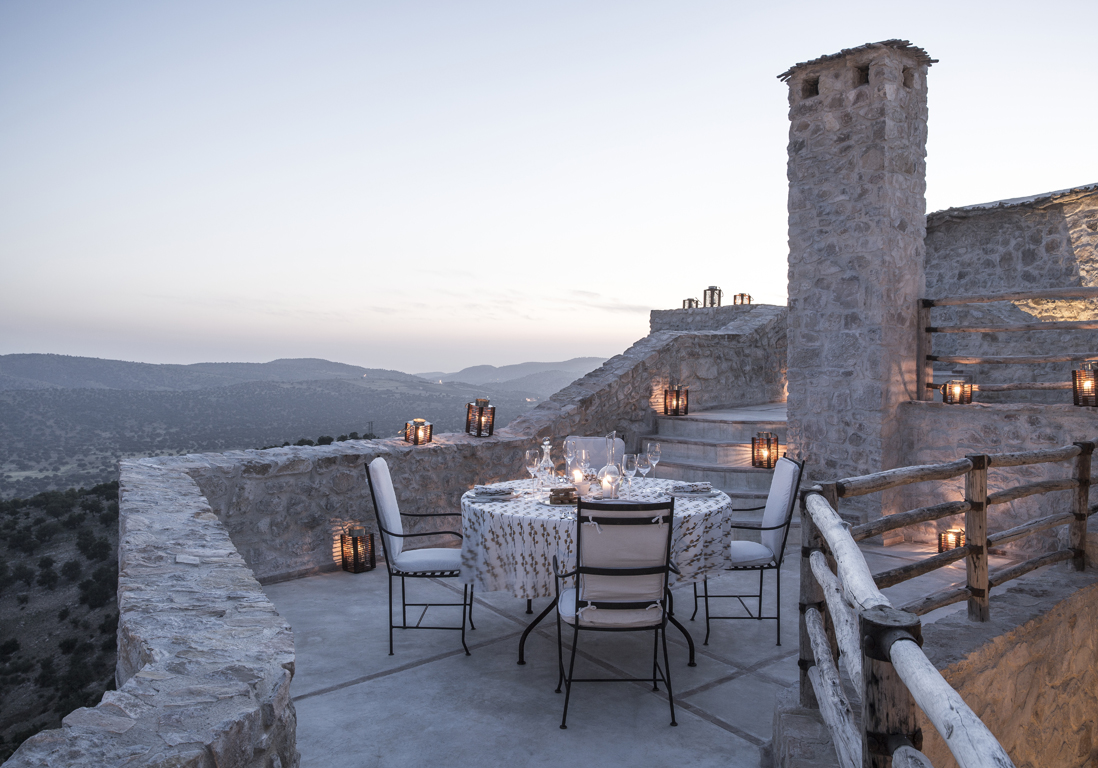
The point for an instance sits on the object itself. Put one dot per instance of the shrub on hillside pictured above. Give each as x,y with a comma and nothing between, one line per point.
72,570
92,547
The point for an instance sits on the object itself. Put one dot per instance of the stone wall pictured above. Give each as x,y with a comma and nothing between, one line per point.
699,319
1050,241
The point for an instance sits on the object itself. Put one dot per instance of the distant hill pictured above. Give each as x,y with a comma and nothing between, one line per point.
489,374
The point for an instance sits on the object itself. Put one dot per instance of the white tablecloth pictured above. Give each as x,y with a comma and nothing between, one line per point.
509,545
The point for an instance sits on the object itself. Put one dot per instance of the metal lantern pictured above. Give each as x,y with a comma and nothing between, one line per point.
741,298
357,547
956,391
676,401
417,432
954,538
480,418
764,450
1084,386
711,296
689,303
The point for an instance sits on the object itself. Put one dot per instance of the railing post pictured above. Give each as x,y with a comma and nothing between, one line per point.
812,596
888,709
976,539
924,344
1081,506
830,492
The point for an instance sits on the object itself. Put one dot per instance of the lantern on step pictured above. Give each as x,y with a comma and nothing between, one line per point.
357,548
1084,387
956,391
480,418
676,401
711,296
954,538
418,431
689,303
741,298
764,450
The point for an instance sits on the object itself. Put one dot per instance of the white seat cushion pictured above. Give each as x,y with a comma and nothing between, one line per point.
607,617
431,559
748,553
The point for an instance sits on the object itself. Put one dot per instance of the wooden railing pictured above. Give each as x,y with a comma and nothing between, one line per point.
926,358
844,616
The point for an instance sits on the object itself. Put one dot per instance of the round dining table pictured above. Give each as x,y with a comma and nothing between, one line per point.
509,544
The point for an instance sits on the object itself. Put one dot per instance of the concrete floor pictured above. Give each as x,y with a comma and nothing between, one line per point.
429,704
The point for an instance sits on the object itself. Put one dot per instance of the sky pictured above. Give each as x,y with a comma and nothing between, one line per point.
432,185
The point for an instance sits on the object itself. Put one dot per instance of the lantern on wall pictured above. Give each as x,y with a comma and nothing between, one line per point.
954,538
357,548
417,431
764,450
480,418
956,391
741,298
676,401
689,303
1084,387
711,296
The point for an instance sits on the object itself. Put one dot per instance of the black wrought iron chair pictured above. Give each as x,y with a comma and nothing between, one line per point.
766,555
429,563
623,558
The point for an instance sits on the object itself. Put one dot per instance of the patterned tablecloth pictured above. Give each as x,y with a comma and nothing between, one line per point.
509,545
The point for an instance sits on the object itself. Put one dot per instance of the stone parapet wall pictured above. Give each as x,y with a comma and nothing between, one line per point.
698,319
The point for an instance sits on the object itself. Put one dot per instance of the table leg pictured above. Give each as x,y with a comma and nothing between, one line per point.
529,606
542,615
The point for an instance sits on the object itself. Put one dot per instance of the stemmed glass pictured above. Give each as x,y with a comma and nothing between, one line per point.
629,467
584,460
533,460
654,454
644,464
569,455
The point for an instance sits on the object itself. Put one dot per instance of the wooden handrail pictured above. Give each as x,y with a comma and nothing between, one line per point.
854,574
1040,456
1021,531
834,706
911,517
1016,386
1003,575
1031,489
890,578
842,617
1052,325
894,478
1046,293
921,606
1011,359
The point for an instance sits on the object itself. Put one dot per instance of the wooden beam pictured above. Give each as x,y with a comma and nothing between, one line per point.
888,708
836,711
811,594
976,539
1078,531
1021,531
987,298
1043,456
1018,386
1003,575
842,617
1031,489
894,576
1052,325
1010,359
854,574
911,517
940,599
909,757
893,478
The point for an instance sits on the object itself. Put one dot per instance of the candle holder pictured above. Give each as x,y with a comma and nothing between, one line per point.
711,296
741,298
480,418
1084,387
764,450
956,391
418,432
676,401
954,538
357,548
689,303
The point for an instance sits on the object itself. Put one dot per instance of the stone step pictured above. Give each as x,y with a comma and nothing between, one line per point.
693,450
728,431
724,478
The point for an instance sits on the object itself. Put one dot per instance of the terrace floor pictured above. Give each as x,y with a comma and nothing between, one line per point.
429,704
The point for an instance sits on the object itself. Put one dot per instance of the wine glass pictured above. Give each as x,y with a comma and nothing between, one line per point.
629,467
569,454
654,454
644,464
533,461
584,459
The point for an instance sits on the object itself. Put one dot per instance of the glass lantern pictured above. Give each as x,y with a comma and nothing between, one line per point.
418,431
711,296
1084,387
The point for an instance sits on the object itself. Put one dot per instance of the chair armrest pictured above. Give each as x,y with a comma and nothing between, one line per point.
747,526
745,509
558,575
430,514
432,533
674,569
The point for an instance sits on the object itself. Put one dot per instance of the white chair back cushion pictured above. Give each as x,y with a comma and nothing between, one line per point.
780,502
623,546
596,449
387,510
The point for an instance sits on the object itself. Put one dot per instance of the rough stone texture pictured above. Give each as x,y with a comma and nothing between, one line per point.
936,433
1044,242
698,319
856,230
204,661
801,739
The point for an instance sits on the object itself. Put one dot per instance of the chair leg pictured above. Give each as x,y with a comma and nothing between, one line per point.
778,598
705,586
560,655
695,613
760,611
655,659
464,603
471,624
571,674
403,605
667,675
390,615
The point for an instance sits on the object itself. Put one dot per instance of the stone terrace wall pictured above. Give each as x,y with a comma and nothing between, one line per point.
699,319
1045,242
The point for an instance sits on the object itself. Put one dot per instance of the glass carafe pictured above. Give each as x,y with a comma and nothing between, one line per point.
546,470
610,475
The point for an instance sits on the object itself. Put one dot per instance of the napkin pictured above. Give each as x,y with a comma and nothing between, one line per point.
491,490
692,488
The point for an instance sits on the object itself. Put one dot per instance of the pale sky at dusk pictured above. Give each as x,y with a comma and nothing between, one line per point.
427,186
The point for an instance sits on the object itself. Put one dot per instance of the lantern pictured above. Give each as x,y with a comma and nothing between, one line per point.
417,432
676,401
357,547
954,538
1084,387
689,303
741,298
711,296
480,418
956,391
764,450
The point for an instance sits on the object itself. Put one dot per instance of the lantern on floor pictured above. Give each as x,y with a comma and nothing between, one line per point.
357,547
1084,387
957,391
689,303
741,298
676,401
764,450
417,432
480,418
954,538
711,296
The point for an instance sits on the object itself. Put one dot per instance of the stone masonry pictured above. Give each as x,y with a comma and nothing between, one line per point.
857,147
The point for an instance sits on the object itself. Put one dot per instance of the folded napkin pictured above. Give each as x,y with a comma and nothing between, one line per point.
491,490
692,488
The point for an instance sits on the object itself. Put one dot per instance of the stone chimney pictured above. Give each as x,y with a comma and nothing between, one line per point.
857,221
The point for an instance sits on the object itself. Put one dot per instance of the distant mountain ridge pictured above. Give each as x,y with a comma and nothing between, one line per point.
489,374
